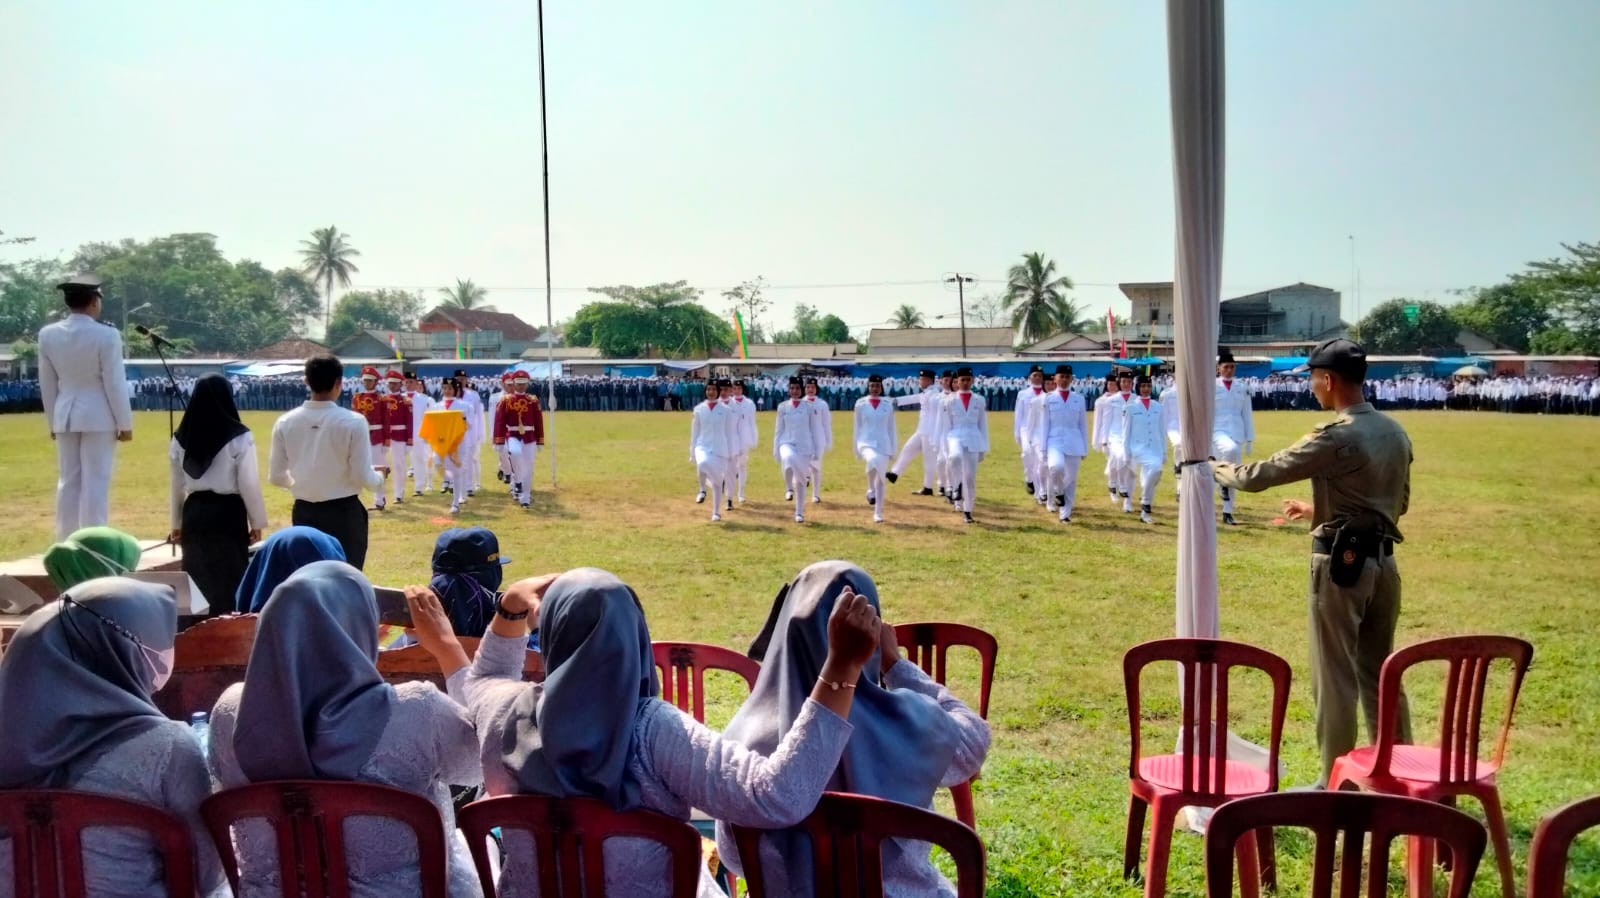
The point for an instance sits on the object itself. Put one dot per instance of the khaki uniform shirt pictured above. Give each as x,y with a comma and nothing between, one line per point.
1359,465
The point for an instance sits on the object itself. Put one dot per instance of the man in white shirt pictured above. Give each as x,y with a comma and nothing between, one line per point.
421,453
797,439
1027,402
966,440
1234,428
322,454
923,442
1144,441
824,415
712,444
85,391
875,440
1060,430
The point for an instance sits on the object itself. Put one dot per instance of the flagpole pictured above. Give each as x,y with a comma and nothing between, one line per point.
549,307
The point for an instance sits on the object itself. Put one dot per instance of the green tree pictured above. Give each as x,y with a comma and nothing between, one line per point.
746,299
832,329
1571,285
1506,313
28,296
1389,330
325,258
27,353
296,295
1558,339
465,295
1037,299
659,319
385,310
907,316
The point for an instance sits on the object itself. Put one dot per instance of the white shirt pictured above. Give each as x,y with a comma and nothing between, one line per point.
874,427
1026,407
798,426
420,404
744,427
714,428
232,472
81,377
320,452
1060,422
1233,416
824,421
966,424
1143,435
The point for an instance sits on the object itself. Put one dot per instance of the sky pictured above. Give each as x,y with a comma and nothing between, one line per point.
852,153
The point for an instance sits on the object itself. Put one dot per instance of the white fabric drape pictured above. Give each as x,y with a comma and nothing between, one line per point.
1194,59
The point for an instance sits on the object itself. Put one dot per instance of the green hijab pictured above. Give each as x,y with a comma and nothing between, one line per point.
90,553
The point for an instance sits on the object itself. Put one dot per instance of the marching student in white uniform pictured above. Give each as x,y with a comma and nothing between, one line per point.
1108,439
947,478
966,439
475,432
744,412
1061,431
923,442
875,440
712,445
1169,423
1233,428
421,452
501,388
1144,440
824,415
85,391
797,438
1026,407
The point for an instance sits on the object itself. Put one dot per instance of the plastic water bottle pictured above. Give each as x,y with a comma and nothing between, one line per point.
200,725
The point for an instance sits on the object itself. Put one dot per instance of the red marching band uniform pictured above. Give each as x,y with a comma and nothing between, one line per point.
518,415
370,404
397,407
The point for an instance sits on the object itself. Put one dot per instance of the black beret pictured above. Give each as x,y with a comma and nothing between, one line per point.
1142,380
812,381
460,372
794,381
926,372
1035,370
1064,369
1224,356
874,378
963,372
1343,357
946,373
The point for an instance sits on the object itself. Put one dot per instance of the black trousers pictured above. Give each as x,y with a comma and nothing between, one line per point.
216,546
343,519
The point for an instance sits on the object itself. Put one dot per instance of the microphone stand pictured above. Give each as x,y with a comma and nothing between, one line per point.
172,387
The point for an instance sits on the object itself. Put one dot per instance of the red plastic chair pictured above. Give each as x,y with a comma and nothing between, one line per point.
46,829
1454,768
1202,776
568,835
308,817
1547,858
1327,815
847,834
676,660
927,645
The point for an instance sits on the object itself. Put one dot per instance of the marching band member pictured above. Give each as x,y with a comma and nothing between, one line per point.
368,403
397,415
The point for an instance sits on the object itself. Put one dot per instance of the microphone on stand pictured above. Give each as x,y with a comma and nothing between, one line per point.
154,337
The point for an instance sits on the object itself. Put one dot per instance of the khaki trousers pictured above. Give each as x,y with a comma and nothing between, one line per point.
1352,633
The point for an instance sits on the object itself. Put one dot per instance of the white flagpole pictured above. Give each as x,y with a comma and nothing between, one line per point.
549,307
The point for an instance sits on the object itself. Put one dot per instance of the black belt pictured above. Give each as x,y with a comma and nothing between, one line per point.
1323,546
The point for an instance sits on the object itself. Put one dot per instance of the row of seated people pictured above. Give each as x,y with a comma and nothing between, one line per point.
834,708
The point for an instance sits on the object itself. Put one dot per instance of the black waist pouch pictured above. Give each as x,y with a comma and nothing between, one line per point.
1348,554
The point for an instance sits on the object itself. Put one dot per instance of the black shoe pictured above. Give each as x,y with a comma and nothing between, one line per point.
926,492
471,493
730,505
1228,519
1145,509
700,497
1061,500
968,516
1029,486
871,500
891,476
941,491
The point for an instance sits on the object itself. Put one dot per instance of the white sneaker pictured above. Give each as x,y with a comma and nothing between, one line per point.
799,519
1127,505
715,516
877,519
455,507
1145,517
816,498
788,495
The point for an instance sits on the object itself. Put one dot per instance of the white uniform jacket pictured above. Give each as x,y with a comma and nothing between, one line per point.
744,416
824,416
1233,417
1061,423
799,426
874,427
966,426
1025,409
81,378
1108,421
713,428
1143,436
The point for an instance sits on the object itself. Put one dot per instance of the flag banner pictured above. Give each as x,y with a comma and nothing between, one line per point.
738,333
459,354
395,346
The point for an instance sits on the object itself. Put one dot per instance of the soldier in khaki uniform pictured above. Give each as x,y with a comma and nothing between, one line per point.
1359,465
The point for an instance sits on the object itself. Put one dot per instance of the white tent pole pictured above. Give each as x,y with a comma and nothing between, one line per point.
549,307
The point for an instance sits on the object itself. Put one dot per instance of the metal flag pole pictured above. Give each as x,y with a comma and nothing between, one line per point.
549,307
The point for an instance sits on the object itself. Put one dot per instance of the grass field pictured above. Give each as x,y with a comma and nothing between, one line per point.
1501,538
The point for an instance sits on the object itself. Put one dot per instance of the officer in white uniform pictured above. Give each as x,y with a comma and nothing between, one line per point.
875,440
923,442
1233,428
1028,399
1144,440
797,440
713,441
1061,431
85,391
966,440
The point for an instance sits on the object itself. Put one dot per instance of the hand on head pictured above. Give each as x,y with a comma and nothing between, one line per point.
853,630
525,595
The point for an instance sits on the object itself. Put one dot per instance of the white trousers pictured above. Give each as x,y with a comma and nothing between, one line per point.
397,456
83,490
712,472
816,474
964,471
796,466
1032,463
738,471
1147,468
521,466
877,464
1061,478
928,448
380,457
1120,470
422,465
1225,449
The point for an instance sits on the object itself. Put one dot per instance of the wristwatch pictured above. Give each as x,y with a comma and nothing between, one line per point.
500,610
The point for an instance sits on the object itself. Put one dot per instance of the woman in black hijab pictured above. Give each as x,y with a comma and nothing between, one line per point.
217,508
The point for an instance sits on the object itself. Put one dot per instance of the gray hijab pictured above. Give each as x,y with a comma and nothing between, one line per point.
78,676
901,742
314,705
574,737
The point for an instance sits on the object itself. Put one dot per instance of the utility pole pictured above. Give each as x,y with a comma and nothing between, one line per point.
961,281
1355,281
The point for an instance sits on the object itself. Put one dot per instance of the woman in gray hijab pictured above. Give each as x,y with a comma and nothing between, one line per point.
910,735
313,706
597,728
75,687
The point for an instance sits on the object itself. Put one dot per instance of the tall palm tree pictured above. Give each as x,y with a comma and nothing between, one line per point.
1037,299
907,316
466,295
325,258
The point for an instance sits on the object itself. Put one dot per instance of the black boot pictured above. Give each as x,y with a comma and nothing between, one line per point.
1029,487
891,476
